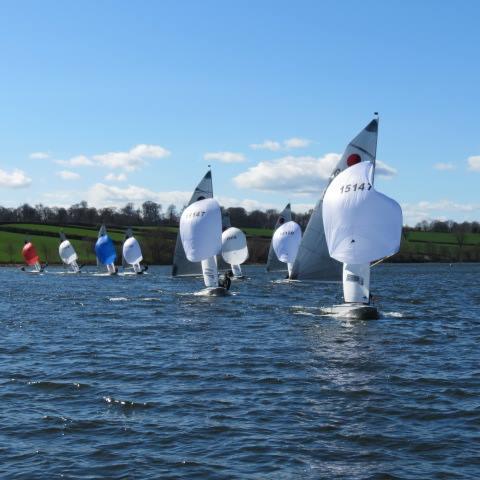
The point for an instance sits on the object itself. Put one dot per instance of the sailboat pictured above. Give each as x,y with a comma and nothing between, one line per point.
201,237
105,251
234,250
31,258
68,254
132,253
361,226
181,265
285,242
313,261
273,263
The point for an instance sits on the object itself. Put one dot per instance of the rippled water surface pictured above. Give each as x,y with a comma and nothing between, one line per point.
135,377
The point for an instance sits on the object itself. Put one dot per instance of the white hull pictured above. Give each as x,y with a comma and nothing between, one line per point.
356,311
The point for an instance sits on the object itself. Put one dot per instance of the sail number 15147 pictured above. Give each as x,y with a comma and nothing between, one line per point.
355,187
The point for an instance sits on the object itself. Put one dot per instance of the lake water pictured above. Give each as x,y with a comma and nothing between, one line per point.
135,377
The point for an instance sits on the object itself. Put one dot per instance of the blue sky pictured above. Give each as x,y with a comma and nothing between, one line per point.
163,84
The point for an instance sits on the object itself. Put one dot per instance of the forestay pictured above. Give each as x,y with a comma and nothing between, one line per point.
273,263
313,260
361,224
181,266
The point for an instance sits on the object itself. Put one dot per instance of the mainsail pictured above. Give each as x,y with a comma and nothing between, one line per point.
181,265
273,263
313,261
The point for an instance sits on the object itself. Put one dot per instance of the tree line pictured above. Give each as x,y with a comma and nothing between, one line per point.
149,214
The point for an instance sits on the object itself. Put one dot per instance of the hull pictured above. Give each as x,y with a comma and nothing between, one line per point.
355,311
213,292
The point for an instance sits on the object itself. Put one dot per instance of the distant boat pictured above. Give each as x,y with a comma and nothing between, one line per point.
181,265
285,243
201,237
132,253
273,263
234,250
313,261
67,253
31,258
105,251
361,226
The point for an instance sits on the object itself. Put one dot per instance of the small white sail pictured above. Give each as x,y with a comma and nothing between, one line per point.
132,253
234,249
361,224
201,236
68,255
285,242
273,263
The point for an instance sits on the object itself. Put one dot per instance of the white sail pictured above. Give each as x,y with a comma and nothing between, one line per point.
181,266
356,283
286,241
273,263
234,248
313,260
201,230
132,253
67,252
361,224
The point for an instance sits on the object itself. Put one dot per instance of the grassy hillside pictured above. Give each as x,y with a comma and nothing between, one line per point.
158,243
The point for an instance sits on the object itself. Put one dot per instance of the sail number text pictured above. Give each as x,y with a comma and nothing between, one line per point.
355,187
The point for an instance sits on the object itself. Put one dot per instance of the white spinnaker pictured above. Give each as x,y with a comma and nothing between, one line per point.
273,263
234,246
181,266
67,252
285,242
201,230
132,253
313,261
361,224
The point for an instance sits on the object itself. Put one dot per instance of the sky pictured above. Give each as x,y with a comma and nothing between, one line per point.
117,101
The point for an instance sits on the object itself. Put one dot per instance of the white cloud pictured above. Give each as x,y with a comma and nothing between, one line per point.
39,155
68,175
112,177
438,210
267,145
133,159
275,146
77,161
296,143
383,170
225,157
293,174
15,179
444,166
474,163
102,195
297,175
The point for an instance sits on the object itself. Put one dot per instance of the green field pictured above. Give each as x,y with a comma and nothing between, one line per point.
158,243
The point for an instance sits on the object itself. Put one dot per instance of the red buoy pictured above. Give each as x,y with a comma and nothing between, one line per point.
30,254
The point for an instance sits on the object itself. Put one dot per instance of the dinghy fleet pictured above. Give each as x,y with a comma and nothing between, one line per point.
352,228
